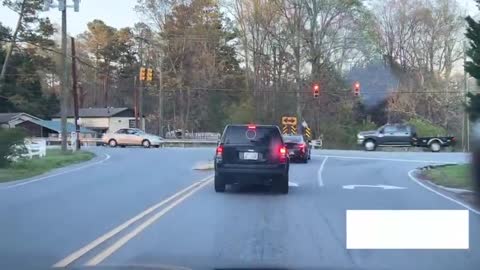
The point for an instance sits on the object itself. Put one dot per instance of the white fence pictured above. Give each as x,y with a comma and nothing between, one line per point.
35,147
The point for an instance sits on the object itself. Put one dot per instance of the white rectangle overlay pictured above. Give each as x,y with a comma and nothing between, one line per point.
407,229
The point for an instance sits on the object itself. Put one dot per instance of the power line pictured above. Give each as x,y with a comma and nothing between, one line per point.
309,92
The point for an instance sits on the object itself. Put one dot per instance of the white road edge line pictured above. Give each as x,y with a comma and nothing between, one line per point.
410,174
389,159
122,241
320,170
82,251
107,157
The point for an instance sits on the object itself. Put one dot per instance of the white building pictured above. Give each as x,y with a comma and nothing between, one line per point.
104,120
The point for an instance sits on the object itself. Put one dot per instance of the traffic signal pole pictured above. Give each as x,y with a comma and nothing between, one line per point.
140,104
135,100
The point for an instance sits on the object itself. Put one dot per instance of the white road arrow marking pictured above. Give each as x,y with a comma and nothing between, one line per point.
292,184
372,186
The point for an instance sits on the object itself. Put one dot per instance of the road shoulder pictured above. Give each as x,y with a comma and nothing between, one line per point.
463,197
94,159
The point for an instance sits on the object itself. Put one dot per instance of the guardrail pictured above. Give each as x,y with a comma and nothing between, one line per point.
165,143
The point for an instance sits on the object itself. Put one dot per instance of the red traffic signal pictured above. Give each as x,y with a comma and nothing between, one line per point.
356,88
316,90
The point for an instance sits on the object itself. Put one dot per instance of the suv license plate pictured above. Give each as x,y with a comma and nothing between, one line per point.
250,156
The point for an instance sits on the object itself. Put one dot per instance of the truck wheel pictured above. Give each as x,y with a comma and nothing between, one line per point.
370,145
435,147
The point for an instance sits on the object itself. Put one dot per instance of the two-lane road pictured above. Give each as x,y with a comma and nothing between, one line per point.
48,221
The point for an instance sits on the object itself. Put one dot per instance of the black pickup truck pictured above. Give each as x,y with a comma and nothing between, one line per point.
400,135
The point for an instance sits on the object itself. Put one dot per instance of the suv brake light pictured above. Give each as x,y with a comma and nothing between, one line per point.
219,152
283,153
252,127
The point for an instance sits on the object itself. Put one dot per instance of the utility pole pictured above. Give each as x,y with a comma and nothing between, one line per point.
75,94
465,123
64,79
141,82
62,6
12,44
160,100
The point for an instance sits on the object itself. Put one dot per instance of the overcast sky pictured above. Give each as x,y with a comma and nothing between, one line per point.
117,13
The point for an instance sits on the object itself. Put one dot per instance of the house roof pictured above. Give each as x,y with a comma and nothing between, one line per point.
56,126
96,112
7,117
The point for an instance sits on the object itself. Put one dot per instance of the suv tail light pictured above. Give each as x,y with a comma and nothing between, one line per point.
282,153
219,153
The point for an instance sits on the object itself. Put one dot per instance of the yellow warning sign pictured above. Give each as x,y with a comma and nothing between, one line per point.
293,129
308,133
289,120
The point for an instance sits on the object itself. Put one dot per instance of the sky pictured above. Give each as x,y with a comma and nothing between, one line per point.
116,13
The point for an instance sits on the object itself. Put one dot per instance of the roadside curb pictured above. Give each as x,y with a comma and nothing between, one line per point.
458,198
98,159
459,191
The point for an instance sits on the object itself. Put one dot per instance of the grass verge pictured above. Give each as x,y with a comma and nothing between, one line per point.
455,176
31,167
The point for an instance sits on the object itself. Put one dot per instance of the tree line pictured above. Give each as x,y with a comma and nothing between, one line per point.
218,62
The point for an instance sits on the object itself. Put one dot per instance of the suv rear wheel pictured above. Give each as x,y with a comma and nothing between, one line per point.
281,185
219,184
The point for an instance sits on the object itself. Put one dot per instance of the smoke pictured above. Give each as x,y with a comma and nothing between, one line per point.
377,82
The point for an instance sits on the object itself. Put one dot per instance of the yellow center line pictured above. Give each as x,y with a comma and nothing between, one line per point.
122,241
82,251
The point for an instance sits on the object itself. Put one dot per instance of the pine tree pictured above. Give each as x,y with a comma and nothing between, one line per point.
473,66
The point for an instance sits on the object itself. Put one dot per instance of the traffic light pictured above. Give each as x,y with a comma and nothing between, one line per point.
149,74
356,88
143,74
316,90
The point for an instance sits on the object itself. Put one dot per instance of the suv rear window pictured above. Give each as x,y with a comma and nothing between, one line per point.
293,139
257,136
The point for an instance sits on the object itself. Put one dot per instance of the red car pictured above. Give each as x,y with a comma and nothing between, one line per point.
298,148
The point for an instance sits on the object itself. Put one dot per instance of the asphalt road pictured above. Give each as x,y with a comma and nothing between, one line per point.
64,220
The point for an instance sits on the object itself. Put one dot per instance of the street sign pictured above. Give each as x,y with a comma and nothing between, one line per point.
293,129
308,133
289,120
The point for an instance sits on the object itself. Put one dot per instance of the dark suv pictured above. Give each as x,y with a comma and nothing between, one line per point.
253,154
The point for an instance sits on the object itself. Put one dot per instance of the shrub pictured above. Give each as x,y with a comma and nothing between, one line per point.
425,129
11,144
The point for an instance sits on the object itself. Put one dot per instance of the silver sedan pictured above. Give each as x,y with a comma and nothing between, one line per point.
131,137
